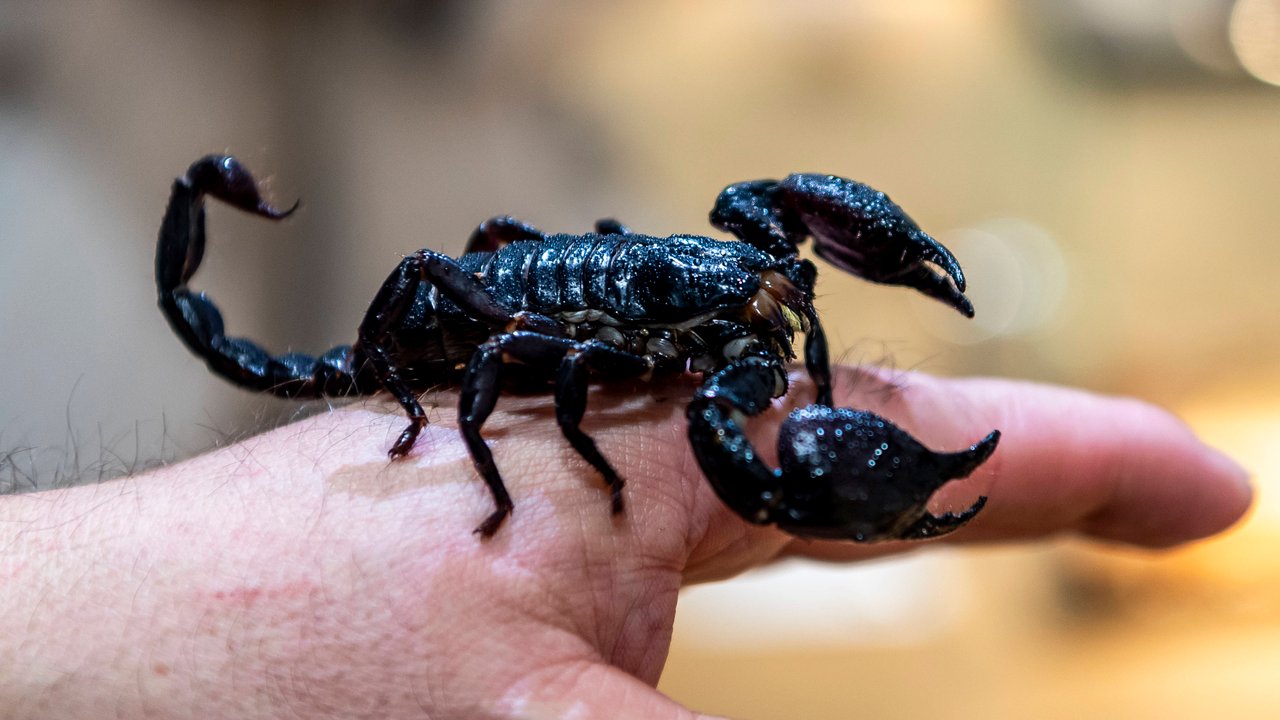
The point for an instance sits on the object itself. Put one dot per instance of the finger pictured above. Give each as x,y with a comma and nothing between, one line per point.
1069,461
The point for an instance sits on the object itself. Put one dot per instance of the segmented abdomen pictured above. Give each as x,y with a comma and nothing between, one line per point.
633,278
558,273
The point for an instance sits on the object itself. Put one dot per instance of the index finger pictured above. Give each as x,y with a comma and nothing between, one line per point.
1069,461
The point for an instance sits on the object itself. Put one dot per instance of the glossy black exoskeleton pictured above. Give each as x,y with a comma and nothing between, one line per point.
524,306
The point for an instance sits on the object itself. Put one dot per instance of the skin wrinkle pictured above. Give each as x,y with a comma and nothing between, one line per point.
540,601
593,569
541,647
589,563
645,627
612,629
689,491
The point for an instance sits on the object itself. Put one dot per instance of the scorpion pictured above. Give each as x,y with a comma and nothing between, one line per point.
524,308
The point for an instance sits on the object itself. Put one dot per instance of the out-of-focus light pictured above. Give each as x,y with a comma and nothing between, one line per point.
837,13
1016,279
1255,38
1199,28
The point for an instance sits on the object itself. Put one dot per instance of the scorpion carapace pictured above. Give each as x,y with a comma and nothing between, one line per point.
521,306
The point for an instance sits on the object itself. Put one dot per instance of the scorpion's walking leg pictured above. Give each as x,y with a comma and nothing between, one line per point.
817,358
494,233
817,361
571,400
611,226
392,304
482,384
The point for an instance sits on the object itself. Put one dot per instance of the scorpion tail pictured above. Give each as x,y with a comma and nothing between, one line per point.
198,322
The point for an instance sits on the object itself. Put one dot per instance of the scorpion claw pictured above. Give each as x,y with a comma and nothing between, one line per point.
845,474
934,272
860,230
931,526
852,474
854,227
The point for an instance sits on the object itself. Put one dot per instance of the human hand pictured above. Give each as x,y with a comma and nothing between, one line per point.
301,573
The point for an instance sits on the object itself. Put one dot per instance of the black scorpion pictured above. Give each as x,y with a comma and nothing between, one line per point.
522,307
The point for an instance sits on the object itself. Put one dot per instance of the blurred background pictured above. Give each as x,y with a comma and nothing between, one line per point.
1107,170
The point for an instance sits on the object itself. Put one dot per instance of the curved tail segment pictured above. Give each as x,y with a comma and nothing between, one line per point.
197,321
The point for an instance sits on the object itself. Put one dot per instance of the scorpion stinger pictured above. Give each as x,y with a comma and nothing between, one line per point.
855,227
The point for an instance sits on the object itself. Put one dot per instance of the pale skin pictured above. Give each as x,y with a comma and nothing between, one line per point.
301,574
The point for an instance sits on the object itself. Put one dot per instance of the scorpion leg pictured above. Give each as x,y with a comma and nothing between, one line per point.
817,360
494,233
855,227
482,384
611,226
497,232
929,526
394,301
571,400
845,474
198,322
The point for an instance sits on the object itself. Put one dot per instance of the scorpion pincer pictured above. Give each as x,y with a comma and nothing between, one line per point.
525,308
